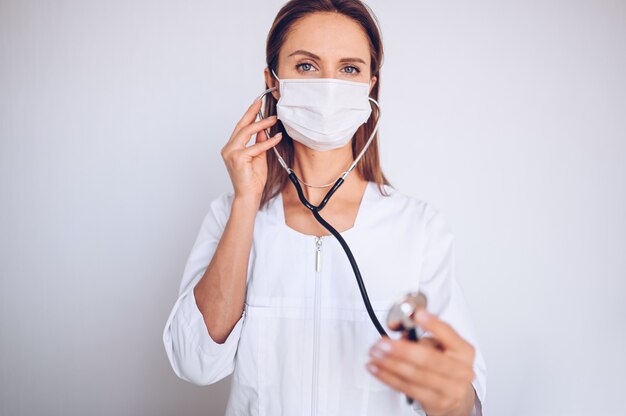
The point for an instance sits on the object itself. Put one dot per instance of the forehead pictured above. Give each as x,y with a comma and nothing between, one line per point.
329,35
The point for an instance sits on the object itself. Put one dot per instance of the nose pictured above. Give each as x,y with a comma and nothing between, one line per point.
325,73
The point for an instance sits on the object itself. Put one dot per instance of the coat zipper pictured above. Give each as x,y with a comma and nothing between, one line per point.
316,323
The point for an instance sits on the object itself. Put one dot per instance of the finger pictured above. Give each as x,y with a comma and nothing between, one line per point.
421,394
421,355
260,147
249,116
442,331
239,140
414,375
261,136
431,342
425,340
243,136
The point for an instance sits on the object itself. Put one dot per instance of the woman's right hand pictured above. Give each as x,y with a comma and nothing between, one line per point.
247,166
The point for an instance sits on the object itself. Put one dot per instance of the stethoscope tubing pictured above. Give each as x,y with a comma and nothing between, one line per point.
357,273
315,210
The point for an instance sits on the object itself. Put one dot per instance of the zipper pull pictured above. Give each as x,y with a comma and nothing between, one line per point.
318,254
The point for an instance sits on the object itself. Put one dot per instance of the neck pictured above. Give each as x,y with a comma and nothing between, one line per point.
320,168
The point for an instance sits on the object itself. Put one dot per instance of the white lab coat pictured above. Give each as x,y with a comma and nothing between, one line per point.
301,344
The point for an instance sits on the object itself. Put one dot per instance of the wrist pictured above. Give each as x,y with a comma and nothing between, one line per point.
246,202
465,408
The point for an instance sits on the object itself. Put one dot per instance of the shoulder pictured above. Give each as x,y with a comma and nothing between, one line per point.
219,209
417,220
222,200
220,206
399,204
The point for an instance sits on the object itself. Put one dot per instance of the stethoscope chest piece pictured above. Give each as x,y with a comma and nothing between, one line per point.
401,316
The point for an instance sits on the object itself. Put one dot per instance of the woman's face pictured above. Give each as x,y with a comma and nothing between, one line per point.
324,45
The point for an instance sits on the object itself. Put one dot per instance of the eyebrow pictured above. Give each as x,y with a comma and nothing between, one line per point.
312,55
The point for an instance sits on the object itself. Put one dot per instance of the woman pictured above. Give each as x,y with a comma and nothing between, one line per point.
268,293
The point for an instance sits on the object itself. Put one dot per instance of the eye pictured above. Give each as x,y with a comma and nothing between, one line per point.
353,69
304,67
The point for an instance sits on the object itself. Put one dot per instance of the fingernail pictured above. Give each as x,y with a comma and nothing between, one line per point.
372,368
377,353
277,135
422,316
384,346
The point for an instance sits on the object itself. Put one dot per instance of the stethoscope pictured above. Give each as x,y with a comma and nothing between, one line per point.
315,209
400,317
401,314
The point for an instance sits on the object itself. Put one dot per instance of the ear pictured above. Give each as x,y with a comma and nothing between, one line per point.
271,82
374,79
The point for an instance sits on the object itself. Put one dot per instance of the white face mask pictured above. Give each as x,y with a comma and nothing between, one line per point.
322,113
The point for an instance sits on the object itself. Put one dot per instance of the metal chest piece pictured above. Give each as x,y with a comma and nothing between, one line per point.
401,316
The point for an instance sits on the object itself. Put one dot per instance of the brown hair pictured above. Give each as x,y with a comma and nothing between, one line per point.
290,13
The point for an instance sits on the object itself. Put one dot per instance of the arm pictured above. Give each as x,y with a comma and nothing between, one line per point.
202,332
444,372
221,291
201,339
448,302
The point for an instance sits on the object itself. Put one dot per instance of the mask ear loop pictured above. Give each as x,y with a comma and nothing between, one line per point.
315,210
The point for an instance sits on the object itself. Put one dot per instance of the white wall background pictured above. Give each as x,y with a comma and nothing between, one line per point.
509,116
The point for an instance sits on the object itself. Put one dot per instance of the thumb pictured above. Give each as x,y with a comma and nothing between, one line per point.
441,330
431,342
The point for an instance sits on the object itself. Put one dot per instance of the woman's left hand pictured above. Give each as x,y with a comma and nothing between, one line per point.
436,371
